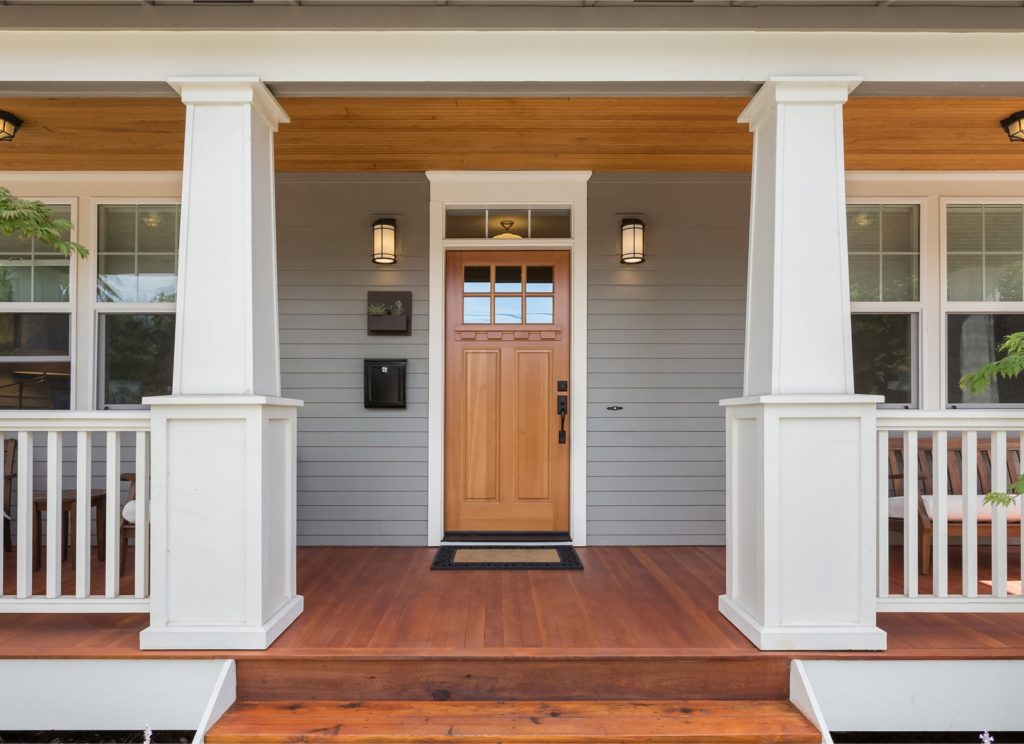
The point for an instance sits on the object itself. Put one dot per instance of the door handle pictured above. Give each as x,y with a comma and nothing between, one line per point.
562,410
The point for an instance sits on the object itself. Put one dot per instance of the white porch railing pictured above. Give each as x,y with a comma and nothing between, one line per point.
118,443
922,497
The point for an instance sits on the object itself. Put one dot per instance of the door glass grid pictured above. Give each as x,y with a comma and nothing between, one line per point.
497,295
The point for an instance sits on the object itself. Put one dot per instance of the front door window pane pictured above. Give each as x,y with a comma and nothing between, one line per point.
883,356
138,357
540,279
476,279
508,310
508,279
476,310
972,341
539,310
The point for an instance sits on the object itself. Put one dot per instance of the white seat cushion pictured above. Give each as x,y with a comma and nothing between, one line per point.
129,512
954,508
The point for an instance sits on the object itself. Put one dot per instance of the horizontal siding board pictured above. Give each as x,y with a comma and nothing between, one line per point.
654,498
659,527
651,441
665,342
626,539
342,540
362,474
656,380
627,453
667,366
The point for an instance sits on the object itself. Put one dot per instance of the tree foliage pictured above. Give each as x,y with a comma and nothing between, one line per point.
1010,365
33,220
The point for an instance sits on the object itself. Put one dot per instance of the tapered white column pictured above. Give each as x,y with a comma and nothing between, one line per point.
224,443
800,445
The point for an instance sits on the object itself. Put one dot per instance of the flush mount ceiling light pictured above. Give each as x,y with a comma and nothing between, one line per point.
1013,125
384,233
506,225
152,219
9,126
632,241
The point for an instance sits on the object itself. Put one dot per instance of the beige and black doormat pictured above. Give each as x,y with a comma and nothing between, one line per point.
506,558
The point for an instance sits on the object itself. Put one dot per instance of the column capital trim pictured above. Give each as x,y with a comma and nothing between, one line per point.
809,89
231,89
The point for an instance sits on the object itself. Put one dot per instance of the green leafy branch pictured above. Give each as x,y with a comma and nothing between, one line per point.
1011,365
33,220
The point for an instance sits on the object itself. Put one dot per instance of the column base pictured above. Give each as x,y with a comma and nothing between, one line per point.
222,637
802,638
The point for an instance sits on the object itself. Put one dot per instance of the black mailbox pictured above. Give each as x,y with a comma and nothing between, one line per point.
384,383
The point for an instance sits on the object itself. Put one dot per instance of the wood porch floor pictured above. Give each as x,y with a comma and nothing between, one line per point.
638,601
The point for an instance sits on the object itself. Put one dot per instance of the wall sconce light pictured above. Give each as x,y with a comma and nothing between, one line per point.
632,241
9,126
1013,125
385,231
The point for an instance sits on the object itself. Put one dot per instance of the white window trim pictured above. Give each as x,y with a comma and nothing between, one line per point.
556,189
98,308
85,190
947,306
917,307
70,308
933,190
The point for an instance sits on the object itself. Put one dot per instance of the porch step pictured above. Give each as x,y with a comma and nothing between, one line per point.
515,722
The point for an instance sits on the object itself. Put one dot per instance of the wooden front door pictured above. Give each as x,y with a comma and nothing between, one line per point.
507,391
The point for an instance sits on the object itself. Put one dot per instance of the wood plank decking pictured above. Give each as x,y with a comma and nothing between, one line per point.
637,601
630,649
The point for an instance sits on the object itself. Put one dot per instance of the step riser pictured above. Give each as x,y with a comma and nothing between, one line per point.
513,679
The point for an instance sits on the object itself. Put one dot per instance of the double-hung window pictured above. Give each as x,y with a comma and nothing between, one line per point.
884,242
35,321
983,300
136,285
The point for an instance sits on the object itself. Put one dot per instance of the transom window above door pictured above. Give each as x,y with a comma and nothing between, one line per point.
508,295
499,223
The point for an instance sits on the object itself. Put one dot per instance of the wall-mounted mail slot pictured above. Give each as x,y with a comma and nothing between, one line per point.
384,383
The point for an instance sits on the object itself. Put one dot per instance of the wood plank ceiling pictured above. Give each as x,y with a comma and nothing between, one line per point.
600,134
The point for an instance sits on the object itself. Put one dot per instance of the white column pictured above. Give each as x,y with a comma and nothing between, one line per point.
224,443
799,444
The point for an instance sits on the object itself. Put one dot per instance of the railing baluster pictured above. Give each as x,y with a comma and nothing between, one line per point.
83,515
113,515
25,476
940,522
142,514
999,541
969,530
883,513
54,513
910,513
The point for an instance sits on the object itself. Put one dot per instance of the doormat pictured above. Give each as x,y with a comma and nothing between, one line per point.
504,558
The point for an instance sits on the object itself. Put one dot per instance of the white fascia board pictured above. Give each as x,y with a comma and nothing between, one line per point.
506,56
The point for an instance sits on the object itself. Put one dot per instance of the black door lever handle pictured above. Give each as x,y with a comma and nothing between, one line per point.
562,411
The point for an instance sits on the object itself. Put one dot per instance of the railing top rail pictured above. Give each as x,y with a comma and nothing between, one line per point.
1011,419
15,421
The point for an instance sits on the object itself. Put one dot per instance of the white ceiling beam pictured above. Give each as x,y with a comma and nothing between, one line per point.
521,57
